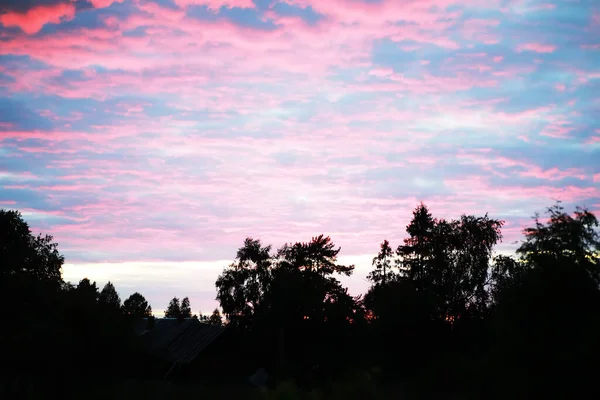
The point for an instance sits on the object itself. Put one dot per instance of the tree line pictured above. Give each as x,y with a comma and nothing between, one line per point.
180,310
443,313
47,320
136,306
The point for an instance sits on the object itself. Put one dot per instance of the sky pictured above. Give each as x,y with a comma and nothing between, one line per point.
151,137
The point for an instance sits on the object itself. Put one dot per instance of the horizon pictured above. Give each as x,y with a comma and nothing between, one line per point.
150,138
357,283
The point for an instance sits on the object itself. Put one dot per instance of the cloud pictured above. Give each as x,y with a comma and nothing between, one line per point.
381,72
523,168
159,132
103,3
32,15
216,4
536,47
23,6
34,19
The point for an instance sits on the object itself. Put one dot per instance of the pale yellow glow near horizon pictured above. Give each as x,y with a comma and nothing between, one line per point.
177,278
185,278
104,271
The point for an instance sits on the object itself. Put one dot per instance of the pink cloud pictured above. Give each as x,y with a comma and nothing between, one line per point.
216,4
425,11
104,3
381,72
597,178
526,169
481,30
536,47
514,71
35,18
519,117
555,174
70,188
479,187
108,133
317,171
47,150
557,131
560,87
16,187
431,84
293,47
107,48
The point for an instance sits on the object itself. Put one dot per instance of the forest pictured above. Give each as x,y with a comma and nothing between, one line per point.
445,316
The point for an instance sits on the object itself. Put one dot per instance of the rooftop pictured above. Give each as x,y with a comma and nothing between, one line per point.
177,341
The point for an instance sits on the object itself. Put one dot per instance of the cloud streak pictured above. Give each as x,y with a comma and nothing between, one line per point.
35,18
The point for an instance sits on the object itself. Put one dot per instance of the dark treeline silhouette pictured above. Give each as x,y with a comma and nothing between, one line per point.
443,316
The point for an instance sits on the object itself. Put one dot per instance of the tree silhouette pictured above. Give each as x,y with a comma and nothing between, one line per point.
31,293
418,249
25,255
383,262
87,291
441,315
564,237
451,260
506,272
174,309
319,255
546,321
241,285
202,317
280,299
185,309
109,296
137,306
305,270
215,318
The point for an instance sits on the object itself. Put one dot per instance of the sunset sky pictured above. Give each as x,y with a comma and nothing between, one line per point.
151,137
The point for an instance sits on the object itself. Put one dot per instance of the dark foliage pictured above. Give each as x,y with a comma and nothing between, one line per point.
241,285
54,333
109,297
215,318
185,309
444,316
436,304
25,256
137,306
173,309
